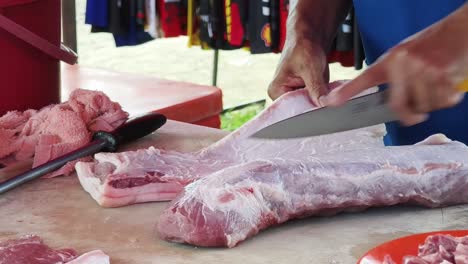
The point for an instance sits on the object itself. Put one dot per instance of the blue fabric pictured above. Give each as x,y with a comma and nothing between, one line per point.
96,13
132,37
135,34
383,24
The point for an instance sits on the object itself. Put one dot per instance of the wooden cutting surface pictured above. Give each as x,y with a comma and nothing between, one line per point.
64,215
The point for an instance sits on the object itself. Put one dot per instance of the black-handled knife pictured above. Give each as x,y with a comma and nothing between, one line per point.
133,129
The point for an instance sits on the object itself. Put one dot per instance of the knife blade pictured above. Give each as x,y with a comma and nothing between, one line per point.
359,112
133,129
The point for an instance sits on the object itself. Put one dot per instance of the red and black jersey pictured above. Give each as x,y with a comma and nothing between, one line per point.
283,17
275,24
342,49
259,27
236,22
213,26
173,17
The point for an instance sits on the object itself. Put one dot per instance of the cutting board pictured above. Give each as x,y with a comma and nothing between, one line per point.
65,216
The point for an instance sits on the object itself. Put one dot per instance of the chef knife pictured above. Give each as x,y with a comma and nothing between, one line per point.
133,129
359,112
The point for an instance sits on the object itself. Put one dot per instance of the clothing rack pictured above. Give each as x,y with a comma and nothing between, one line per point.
266,34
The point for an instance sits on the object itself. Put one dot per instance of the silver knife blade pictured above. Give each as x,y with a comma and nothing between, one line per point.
359,112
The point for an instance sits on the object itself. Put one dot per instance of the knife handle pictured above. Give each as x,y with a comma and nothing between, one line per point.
133,129
463,86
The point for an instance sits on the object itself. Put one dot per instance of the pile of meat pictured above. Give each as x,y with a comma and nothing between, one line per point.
32,250
45,134
239,186
439,249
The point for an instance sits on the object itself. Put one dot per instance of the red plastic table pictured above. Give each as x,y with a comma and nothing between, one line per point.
181,101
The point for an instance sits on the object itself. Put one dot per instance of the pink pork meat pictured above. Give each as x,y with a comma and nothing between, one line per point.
236,203
32,250
439,249
119,179
52,131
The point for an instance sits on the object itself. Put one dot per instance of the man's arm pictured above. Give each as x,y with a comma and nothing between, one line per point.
316,20
311,28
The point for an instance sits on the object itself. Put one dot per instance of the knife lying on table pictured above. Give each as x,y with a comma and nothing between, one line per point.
359,112
133,129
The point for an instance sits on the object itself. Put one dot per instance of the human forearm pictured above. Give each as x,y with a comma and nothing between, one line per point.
316,20
456,28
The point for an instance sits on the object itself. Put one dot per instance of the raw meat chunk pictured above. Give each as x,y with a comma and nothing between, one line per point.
118,179
439,249
57,129
236,203
93,257
32,250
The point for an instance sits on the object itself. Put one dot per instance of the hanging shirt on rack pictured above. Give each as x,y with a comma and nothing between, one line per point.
213,29
275,24
136,33
152,19
283,16
259,27
96,13
173,15
193,25
117,18
207,23
236,21
343,46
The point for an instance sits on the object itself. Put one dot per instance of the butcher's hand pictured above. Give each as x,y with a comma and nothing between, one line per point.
302,64
422,72
311,28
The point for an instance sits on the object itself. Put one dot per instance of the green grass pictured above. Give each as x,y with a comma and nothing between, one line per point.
232,120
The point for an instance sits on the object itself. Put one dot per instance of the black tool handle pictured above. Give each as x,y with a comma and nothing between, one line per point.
133,129
52,165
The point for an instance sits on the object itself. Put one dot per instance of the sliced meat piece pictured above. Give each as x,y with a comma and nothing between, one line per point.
461,253
32,250
236,203
57,129
118,179
433,244
93,257
438,249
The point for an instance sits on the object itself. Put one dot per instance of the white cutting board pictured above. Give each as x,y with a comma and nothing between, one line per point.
64,215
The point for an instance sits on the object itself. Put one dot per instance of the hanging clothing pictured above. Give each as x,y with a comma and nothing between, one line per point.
343,45
97,13
275,24
213,26
173,16
151,19
259,27
236,21
135,34
118,18
283,16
